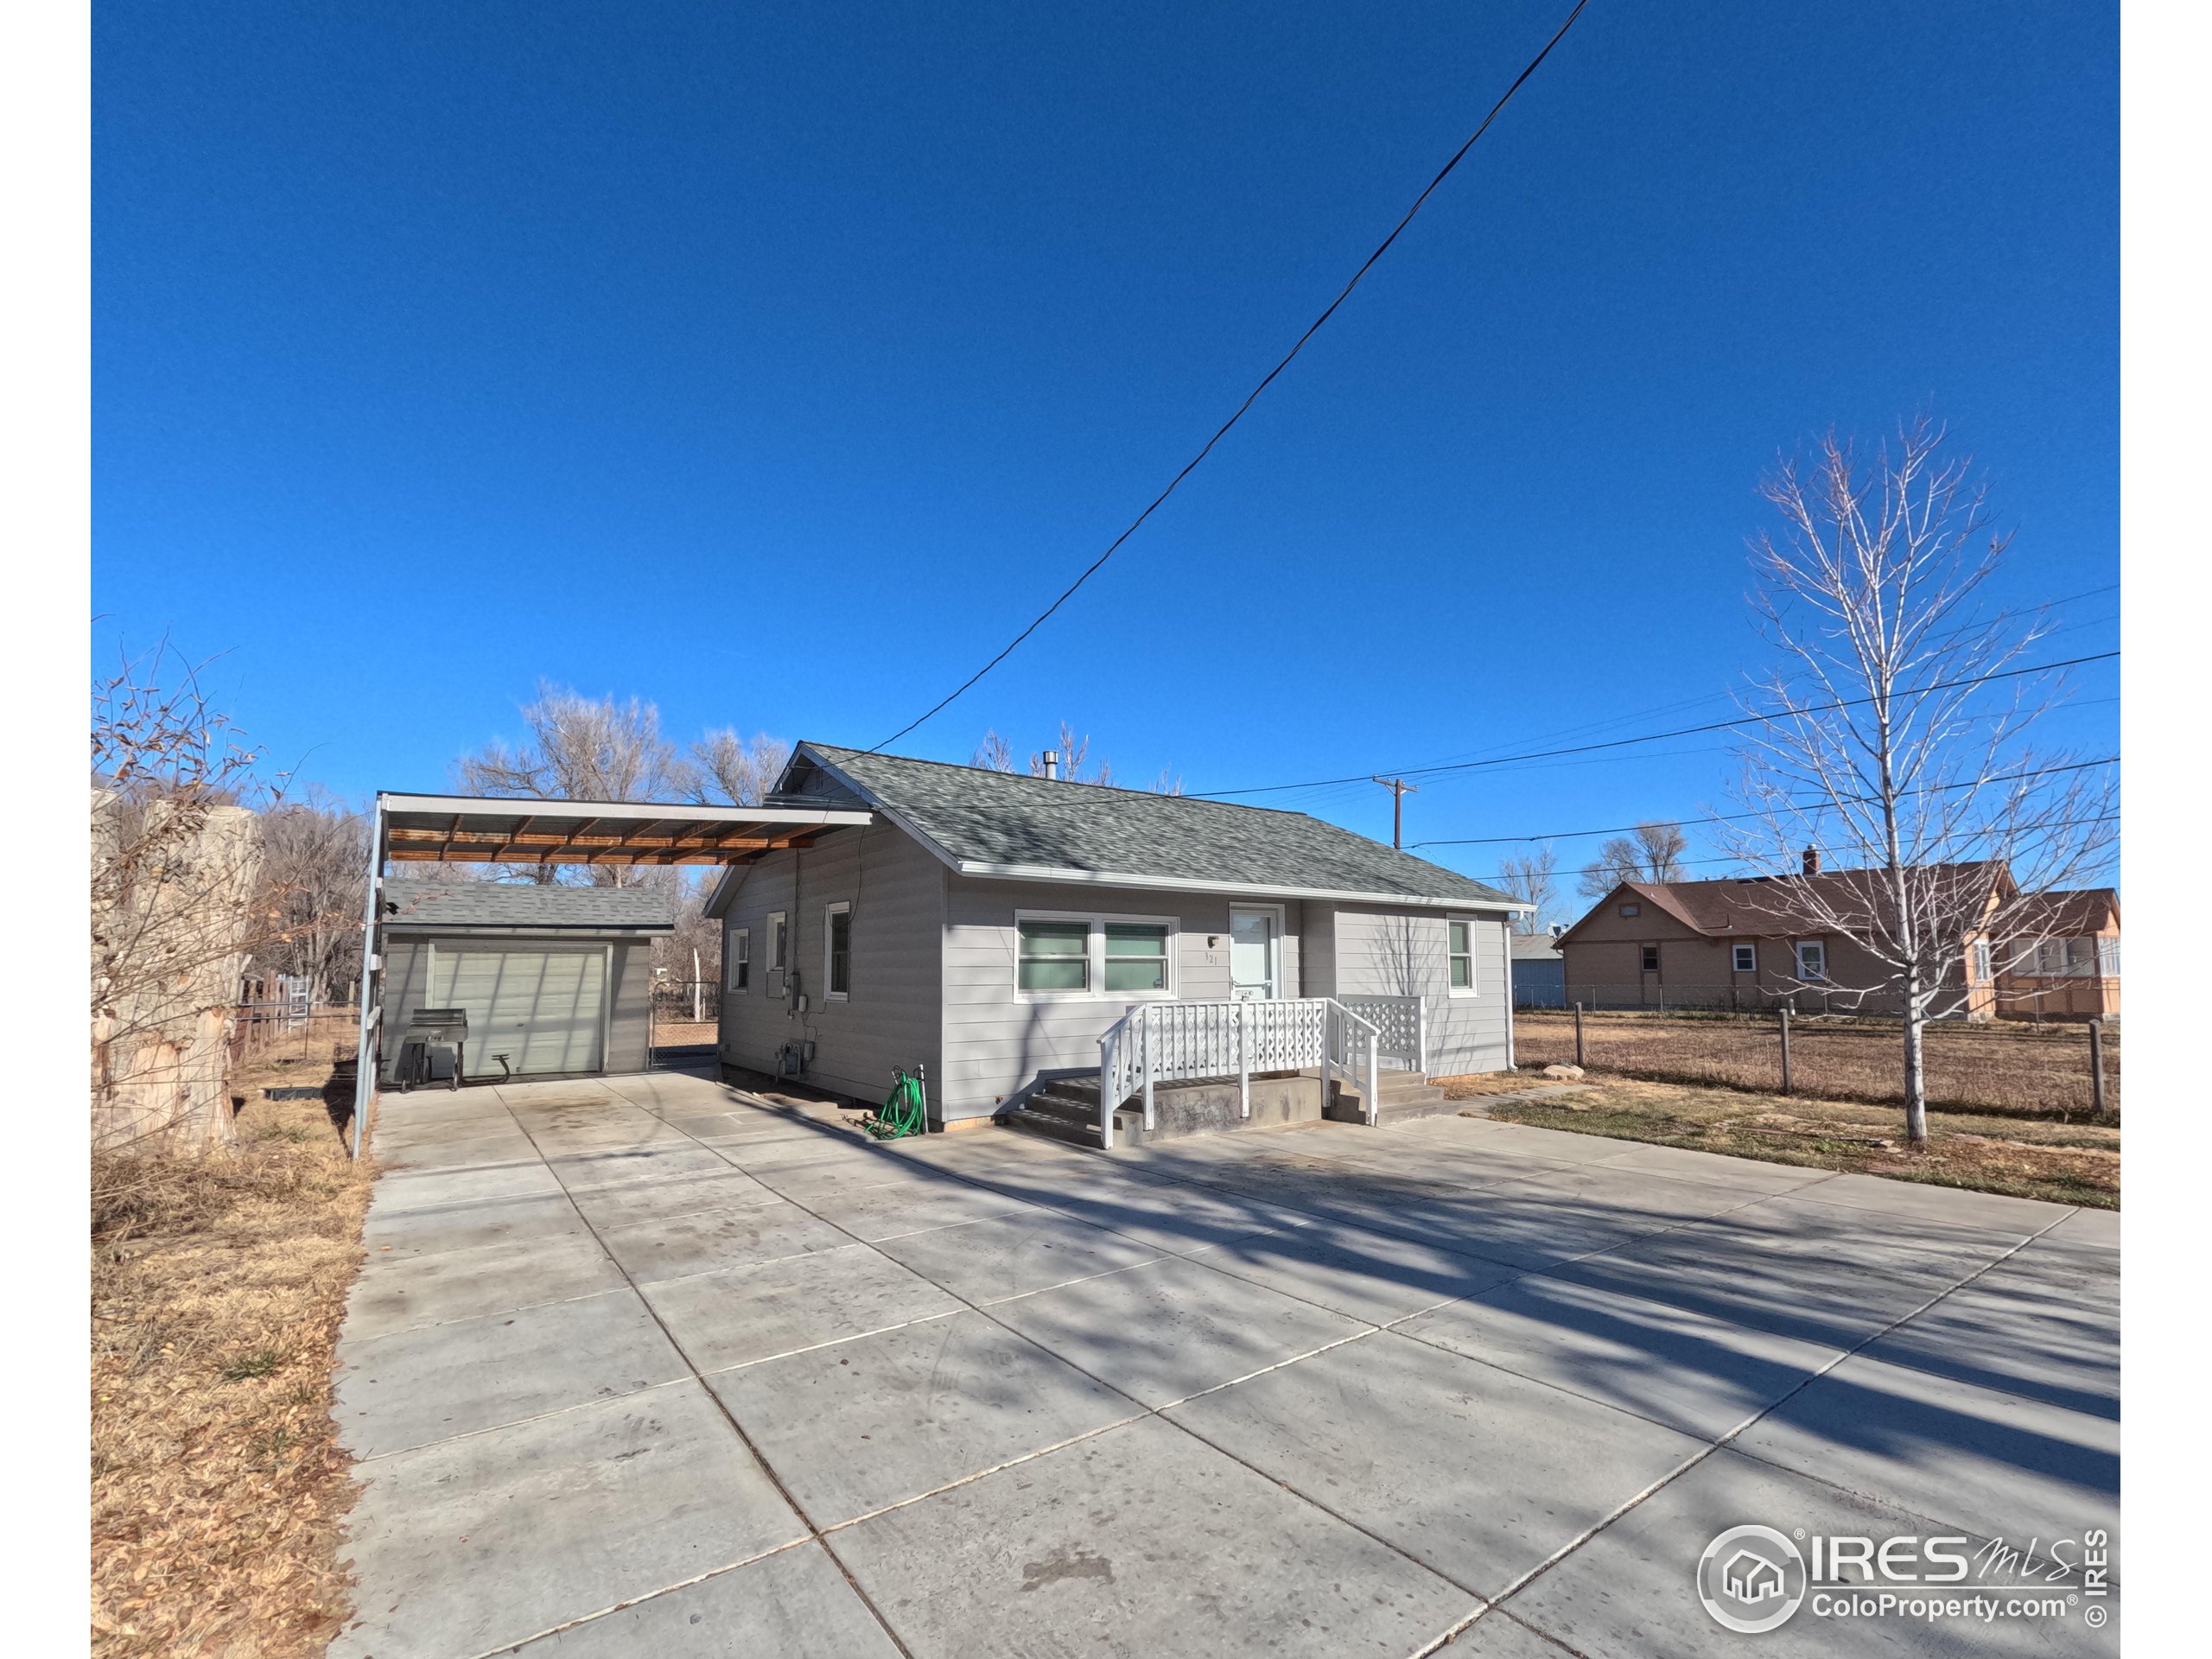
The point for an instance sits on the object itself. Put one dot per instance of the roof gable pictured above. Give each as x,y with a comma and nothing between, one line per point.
985,823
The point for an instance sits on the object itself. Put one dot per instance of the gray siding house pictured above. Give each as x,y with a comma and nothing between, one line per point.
991,928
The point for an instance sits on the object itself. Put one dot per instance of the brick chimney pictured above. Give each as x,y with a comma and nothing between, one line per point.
1812,861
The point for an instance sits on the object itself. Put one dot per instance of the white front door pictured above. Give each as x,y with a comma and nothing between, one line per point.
1255,955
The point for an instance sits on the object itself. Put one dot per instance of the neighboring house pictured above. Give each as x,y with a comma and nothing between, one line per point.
2063,961
991,928
1539,972
1756,942
555,980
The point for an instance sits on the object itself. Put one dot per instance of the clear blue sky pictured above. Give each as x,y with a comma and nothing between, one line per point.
777,363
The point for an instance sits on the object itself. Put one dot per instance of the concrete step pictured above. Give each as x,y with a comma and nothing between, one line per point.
1072,1123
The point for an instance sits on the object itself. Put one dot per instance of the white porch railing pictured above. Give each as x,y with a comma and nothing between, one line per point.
1402,1023
1176,1042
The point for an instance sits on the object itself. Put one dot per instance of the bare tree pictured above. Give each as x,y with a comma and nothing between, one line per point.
175,856
1652,852
735,770
993,753
308,903
1529,877
1893,732
582,748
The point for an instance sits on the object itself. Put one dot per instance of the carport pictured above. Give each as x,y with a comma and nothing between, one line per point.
546,973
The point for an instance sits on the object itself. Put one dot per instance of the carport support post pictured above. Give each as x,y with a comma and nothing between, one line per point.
364,1070
2097,1065
1577,1033
1785,1047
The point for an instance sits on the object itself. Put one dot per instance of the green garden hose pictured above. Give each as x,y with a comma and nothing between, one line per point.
906,1113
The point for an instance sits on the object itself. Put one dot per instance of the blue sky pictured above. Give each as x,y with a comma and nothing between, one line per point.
778,363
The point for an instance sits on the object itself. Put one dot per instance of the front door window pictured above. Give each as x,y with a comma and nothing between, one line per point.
1253,953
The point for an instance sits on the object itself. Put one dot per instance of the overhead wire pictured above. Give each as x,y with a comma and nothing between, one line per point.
1252,397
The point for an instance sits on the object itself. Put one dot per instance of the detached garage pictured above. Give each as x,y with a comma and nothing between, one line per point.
556,982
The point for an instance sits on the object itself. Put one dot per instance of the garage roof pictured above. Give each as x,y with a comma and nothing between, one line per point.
524,906
480,830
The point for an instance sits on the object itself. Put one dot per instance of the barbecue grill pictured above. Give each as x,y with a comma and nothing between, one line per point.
432,1028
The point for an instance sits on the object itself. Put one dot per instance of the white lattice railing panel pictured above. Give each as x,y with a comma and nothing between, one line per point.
1179,1042
1400,1027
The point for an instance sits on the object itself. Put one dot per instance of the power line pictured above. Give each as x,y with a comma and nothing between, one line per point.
1656,737
1733,817
1313,328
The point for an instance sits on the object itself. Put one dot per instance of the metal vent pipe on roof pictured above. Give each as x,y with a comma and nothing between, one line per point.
1051,763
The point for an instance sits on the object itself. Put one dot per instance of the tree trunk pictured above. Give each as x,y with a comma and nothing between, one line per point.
1916,1077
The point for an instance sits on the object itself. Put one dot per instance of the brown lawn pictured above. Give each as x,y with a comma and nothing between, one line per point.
218,1287
2006,1066
2065,1162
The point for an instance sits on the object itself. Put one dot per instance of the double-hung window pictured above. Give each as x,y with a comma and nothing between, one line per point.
740,959
838,952
1459,949
1648,955
1053,956
1981,960
1812,961
2108,957
1136,956
1747,958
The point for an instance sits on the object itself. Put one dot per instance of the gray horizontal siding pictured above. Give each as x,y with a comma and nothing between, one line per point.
1390,953
996,1040
896,889
629,1030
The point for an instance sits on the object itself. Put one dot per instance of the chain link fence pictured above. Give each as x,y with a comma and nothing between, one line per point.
687,1015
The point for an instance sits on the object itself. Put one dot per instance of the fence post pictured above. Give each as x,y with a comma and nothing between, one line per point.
2097,1065
1785,1048
1146,1036
1577,1033
1244,1062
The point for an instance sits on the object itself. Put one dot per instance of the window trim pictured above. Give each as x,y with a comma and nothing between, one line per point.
1096,922
1981,962
1647,958
1797,952
780,941
1473,953
1631,910
737,959
834,908
1737,952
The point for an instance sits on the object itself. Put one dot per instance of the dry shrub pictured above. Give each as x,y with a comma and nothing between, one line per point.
219,1282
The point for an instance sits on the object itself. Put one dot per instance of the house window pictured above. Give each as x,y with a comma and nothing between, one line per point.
1631,910
2108,958
740,958
1136,958
837,950
779,942
1650,958
1747,958
1981,959
1053,956
1461,950
1812,961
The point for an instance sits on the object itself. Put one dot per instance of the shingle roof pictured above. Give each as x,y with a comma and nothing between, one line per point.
1005,823
2064,913
517,905
1754,906
1535,947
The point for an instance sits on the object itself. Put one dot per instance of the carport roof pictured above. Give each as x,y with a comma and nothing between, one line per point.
524,906
480,830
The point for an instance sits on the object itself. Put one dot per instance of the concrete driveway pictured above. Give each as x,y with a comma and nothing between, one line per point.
647,1366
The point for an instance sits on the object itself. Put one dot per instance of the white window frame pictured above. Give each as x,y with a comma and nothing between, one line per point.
1473,987
738,954
1738,951
2108,956
1819,947
830,992
1981,960
1095,956
780,941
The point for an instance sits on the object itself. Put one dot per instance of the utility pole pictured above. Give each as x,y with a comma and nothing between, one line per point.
1399,789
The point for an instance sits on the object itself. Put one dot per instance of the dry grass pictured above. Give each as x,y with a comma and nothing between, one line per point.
218,1287
2001,1066
2065,1163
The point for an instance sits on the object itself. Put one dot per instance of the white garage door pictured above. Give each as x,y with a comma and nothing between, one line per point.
541,1006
